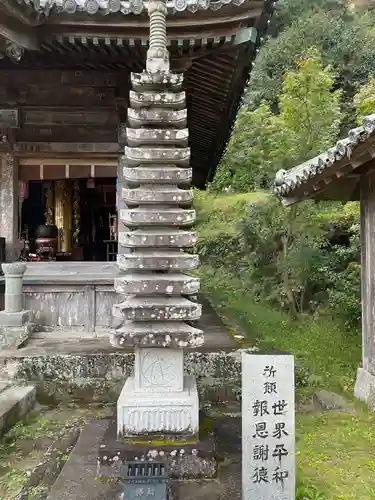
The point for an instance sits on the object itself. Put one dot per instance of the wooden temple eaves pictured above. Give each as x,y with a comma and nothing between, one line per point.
334,174
213,42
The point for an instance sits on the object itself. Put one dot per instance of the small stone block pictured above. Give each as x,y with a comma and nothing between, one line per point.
143,489
15,403
15,336
14,319
330,401
168,217
174,100
157,261
156,238
157,308
164,136
149,195
157,334
156,81
156,155
158,284
158,175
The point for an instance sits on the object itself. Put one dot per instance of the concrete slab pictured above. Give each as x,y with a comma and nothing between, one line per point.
91,369
15,403
77,479
216,338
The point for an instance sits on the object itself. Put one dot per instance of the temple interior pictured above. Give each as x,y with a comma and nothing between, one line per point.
83,210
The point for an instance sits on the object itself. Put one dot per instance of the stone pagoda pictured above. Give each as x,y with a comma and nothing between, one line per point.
158,408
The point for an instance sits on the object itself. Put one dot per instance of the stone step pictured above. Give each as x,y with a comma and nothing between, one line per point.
172,334
168,174
157,261
157,309
156,238
15,403
136,217
162,117
166,284
156,81
162,136
157,194
145,156
157,99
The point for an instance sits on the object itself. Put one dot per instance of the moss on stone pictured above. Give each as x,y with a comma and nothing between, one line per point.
162,442
206,426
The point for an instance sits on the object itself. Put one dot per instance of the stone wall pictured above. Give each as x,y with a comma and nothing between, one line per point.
100,376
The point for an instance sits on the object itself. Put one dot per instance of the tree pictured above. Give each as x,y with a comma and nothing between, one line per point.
345,40
288,11
263,142
364,99
310,112
248,161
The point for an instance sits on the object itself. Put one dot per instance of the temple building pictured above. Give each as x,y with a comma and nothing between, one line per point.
64,94
65,113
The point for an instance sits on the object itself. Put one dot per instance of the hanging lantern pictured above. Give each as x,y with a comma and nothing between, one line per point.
90,184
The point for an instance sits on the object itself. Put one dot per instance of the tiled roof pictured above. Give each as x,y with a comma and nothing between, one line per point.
287,181
124,6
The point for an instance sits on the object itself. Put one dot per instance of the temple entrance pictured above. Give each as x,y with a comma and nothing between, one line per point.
79,214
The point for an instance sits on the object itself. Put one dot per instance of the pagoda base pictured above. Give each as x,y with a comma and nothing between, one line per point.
186,457
141,413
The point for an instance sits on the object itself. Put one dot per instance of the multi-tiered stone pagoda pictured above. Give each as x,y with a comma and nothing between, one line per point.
160,298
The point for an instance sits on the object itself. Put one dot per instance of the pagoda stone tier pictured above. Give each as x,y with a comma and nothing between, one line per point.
159,403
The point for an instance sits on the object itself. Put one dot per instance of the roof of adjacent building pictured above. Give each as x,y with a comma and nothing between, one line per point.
124,6
315,177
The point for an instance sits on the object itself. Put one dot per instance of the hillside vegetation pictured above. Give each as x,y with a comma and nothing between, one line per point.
334,451
289,278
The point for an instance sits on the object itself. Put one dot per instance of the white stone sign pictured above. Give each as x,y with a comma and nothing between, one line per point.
268,427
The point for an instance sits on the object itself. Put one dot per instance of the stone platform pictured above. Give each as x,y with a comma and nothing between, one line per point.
189,458
78,480
66,367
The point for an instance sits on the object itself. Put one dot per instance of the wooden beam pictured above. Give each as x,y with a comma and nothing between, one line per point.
18,33
66,148
80,162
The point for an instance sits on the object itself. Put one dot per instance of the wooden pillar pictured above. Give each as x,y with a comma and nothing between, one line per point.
63,214
121,228
9,204
365,383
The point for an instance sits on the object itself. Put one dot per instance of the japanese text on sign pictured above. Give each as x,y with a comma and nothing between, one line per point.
268,427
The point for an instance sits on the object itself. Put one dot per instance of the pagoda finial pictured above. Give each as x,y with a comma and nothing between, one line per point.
157,54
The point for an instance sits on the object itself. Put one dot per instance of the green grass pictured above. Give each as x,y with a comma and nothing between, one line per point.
335,451
217,214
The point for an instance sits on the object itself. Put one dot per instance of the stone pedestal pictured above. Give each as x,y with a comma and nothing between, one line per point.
144,414
15,321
